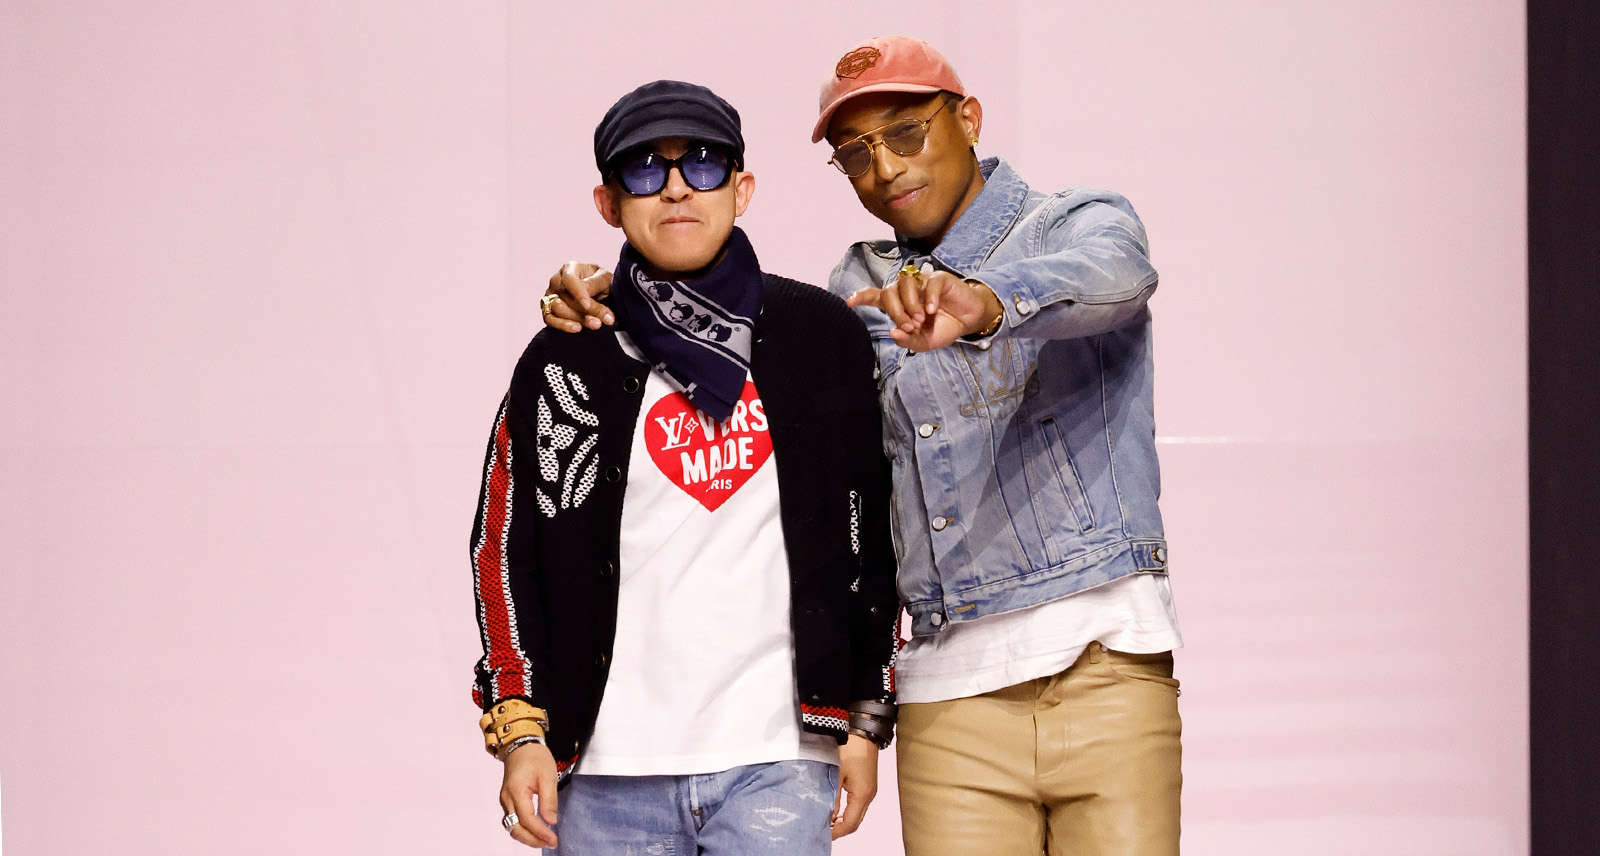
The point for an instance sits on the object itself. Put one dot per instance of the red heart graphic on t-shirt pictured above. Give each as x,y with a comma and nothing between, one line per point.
709,461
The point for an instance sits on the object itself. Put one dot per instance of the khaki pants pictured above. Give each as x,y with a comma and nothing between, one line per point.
1083,763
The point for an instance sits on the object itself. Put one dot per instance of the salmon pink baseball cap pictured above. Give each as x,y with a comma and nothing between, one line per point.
885,64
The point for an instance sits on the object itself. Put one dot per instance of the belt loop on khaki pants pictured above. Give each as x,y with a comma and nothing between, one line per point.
1096,652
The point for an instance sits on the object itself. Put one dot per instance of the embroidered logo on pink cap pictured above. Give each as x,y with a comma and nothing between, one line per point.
853,63
885,64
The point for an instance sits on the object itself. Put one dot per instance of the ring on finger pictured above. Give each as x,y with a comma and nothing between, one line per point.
547,301
509,821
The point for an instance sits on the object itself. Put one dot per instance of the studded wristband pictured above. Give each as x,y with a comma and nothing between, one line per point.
509,721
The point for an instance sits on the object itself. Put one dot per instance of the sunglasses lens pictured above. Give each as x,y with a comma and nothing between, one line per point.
905,137
642,174
853,158
705,168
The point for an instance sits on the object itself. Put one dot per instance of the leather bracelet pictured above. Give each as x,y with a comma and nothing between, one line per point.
507,748
876,740
510,733
875,728
880,736
509,720
510,711
880,709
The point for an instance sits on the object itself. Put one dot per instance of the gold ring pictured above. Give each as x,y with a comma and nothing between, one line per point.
911,270
547,301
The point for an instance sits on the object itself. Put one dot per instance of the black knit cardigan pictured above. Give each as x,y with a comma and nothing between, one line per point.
545,540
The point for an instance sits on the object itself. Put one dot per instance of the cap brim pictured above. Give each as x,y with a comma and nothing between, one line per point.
821,128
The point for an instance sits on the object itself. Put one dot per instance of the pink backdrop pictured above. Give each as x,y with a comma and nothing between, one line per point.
265,268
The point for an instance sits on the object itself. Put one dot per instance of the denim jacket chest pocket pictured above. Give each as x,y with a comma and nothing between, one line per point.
890,355
1032,432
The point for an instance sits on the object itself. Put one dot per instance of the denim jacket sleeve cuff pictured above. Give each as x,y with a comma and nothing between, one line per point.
1057,315
984,338
1017,304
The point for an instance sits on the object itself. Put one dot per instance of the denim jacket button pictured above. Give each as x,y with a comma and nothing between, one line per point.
1159,555
1023,306
925,430
937,618
939,523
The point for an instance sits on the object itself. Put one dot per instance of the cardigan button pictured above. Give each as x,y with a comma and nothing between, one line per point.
613,474
600,660
630,384
608,569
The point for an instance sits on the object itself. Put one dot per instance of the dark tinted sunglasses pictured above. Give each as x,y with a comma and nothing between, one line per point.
644,173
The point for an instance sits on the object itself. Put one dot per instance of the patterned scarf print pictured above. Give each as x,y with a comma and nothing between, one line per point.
698,333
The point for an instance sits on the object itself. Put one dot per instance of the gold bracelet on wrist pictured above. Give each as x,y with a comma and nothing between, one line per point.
999,316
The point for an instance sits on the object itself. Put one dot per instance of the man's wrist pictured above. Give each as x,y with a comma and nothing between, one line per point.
994,312
507,749
509,721
873,721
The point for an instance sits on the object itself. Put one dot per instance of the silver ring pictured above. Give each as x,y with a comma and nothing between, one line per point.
509,821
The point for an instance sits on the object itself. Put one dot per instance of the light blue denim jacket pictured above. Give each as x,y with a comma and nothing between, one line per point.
1025,465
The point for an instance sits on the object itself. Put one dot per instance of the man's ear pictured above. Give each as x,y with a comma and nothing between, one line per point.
606,202
744,187
972,117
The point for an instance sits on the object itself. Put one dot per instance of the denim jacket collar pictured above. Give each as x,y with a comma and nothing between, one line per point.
985,222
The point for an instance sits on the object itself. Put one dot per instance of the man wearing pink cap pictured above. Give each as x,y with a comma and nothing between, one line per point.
1038,712
1038,708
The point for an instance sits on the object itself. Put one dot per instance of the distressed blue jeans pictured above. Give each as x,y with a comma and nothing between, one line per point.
783,808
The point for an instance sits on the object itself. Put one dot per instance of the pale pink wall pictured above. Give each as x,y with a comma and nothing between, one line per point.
264,268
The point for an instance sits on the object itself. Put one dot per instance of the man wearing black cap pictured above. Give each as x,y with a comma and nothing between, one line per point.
684,574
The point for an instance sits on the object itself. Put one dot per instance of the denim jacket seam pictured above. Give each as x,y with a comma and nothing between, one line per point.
1046,211
1000,225
1004,232
1105,419
1051,572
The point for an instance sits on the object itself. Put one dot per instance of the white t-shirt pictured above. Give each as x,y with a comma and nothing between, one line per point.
702,669
1134,614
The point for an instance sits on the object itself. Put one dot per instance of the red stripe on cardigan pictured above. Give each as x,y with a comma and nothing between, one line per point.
506,662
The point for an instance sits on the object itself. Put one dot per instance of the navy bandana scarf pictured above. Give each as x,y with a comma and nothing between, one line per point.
697,333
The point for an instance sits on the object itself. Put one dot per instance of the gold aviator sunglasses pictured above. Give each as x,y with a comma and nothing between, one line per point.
902,136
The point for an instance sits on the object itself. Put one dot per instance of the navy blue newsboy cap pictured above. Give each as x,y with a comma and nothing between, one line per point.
666,108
